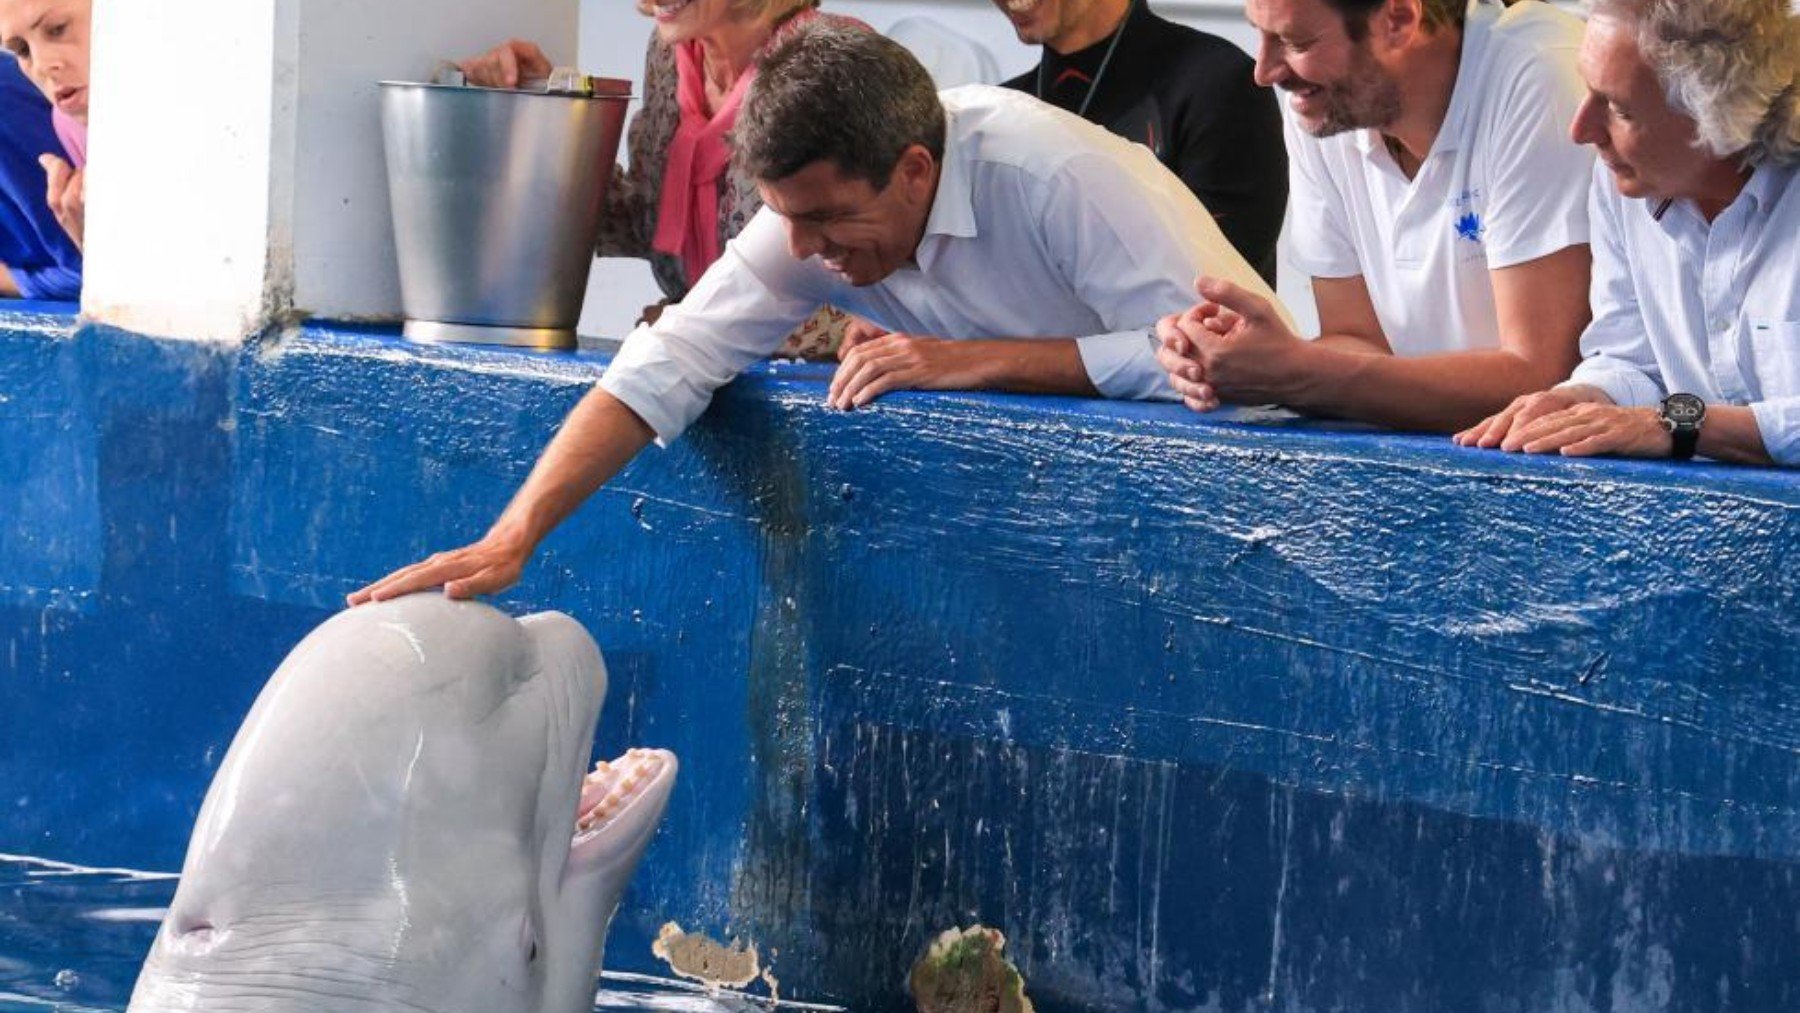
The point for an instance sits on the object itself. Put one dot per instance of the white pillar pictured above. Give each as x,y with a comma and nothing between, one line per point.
235,165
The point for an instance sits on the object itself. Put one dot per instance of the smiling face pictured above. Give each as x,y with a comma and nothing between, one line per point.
1626,116
50,40
858,232
1045,22
1335,82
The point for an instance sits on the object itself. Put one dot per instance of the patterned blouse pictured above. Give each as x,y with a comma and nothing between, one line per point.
632,201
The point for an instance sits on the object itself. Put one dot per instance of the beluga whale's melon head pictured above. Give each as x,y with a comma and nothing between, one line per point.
403,824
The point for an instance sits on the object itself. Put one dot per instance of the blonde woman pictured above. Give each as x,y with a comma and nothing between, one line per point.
681,199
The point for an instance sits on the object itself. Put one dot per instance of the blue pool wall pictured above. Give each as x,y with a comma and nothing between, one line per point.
1228,713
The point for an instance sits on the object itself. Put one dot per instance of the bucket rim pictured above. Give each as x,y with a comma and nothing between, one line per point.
620,96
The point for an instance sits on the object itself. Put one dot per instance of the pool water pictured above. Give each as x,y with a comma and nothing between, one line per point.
71,940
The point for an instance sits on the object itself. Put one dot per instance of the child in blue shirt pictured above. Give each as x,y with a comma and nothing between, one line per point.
35,251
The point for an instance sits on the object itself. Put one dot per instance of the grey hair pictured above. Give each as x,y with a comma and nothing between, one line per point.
1729,65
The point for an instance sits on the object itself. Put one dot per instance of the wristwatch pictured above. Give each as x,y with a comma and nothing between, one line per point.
1682,415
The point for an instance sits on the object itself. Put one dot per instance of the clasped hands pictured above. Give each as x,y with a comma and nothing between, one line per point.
1231,346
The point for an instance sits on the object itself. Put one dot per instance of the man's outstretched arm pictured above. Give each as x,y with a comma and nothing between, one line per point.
600,436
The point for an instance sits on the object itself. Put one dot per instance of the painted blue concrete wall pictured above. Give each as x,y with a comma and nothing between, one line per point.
1240,713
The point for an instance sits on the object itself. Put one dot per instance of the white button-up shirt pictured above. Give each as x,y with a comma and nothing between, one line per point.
1502,185
1043,226
1686,307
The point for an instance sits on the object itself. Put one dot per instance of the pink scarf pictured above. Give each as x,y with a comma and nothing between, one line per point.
687,220
73,135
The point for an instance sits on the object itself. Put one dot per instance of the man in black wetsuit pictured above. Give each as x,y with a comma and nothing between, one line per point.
1189,96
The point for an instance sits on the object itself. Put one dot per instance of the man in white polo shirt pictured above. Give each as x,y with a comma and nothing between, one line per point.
1694,106
1436,202
1006,245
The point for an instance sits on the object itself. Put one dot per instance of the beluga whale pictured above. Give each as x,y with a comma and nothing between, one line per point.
406,822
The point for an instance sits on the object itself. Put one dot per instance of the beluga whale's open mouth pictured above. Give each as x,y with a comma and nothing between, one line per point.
622,803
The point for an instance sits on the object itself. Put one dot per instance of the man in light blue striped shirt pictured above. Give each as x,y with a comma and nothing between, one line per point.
1695,343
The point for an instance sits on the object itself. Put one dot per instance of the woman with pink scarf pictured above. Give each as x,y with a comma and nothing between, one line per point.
49,38
681,200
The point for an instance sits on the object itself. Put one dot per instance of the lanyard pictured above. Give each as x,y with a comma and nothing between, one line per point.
1105,62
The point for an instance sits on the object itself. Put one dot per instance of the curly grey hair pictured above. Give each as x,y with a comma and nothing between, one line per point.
1729,65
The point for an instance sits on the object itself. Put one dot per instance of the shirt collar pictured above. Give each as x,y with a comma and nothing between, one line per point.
953,206
1766,185
1761,192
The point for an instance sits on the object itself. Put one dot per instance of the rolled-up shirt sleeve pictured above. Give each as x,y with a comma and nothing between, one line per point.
740,311
1778,420
1626,382
1131,243
1617,356
1123,365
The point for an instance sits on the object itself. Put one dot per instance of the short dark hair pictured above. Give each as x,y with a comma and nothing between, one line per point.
1437,14
839,94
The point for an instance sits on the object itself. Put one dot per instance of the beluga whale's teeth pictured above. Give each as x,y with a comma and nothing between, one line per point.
614,785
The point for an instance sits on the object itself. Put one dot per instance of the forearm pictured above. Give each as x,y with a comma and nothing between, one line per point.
1438,393
1030,366
9,287
1731,434
600,436
1352,344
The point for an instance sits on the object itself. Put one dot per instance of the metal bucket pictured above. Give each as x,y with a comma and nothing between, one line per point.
497,198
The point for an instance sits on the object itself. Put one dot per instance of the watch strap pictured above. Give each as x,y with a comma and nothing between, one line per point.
1686,439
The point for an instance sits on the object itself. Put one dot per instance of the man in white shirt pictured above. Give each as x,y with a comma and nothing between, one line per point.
1004,243
1437,204
1694,107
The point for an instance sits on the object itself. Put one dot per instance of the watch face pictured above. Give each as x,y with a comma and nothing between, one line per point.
1683,409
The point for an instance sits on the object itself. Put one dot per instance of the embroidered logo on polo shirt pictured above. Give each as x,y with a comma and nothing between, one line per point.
1468,214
